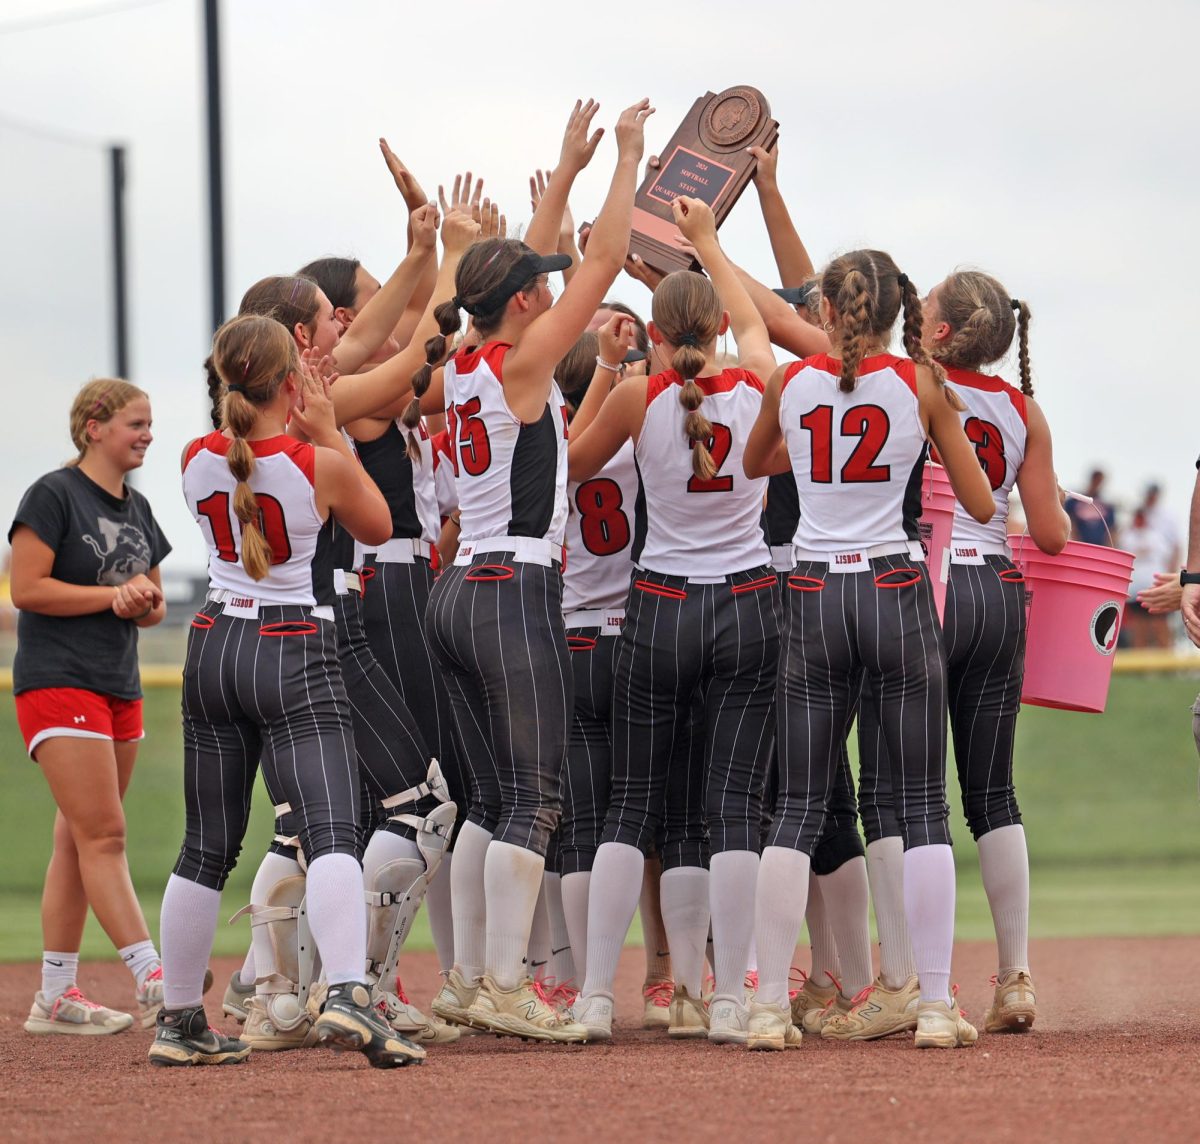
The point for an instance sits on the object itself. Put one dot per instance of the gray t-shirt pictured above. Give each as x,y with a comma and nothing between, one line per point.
97,539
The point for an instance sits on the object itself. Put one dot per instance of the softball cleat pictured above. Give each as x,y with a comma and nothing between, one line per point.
877,1012
349,1020
183,1037
1014,1006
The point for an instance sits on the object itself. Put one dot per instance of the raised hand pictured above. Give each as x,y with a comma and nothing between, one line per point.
616,337
313,413
424,227
492,222
406,183
695,219
631,129
459,230
538,182
578,146
463,196
766,172
637,269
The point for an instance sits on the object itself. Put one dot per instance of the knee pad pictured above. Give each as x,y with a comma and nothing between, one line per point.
434,829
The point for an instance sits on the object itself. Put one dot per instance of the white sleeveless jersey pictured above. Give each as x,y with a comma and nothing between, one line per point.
600,521
511,477
283,481
688,526
857,457
995,422
444,484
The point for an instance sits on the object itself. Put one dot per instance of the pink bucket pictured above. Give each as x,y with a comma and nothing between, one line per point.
935,527
1075,602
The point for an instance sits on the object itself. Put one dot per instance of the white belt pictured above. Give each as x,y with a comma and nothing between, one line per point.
783,557
608,620
246,607
346,582
972,552
403,550
859,559
524,549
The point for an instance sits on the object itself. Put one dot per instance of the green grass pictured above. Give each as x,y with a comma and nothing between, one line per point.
1110,806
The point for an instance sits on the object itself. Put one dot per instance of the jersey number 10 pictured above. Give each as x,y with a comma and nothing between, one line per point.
215,509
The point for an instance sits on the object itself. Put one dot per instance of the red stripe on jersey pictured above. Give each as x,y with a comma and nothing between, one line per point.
904,368
467,360
724,382
969,379
193,448
302,455
441,448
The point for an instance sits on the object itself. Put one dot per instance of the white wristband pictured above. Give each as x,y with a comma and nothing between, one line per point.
602,364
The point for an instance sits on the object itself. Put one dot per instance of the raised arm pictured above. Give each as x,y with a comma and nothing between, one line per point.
566,230
619,418
414,197
699,226
577,151
379,317
791,258
766,451
966,475
1048,523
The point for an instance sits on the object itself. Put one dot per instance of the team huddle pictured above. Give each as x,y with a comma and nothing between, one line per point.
558,613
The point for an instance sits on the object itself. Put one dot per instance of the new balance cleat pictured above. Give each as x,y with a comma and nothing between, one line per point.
183,1037
689,1016
728,1020
770,1027
656,997
455,999
524,1011
237,997
349,1020
815,1020
1014,1006
876,1012
810,998
942,1025
595,1014
74,1014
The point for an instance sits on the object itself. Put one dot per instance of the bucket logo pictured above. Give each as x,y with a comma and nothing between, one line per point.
1105,626
925,532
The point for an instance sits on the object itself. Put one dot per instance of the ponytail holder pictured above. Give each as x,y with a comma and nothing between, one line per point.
235,387
1015,304
689,340
902,280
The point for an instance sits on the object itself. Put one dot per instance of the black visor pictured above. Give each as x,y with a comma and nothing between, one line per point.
525,270
797,295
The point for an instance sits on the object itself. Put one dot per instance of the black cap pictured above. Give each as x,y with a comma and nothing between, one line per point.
797,295
527,267
633,355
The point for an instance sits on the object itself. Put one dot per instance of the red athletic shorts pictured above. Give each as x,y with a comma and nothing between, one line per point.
72,712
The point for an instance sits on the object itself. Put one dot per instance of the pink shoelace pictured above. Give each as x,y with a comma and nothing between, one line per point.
400,991
73,994
659,993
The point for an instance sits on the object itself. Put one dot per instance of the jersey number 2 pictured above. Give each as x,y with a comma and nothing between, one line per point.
719,445
215,509
869,423
603,524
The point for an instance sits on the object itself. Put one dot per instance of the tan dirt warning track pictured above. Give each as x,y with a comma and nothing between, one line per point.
1115,1057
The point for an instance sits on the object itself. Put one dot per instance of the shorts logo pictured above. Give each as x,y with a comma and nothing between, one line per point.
848,558
966,551
241,602
80,719
1105,627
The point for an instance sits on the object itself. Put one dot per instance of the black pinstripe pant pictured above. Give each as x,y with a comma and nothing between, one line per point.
393,608
272,688
496,628
879,626
984,640
681,640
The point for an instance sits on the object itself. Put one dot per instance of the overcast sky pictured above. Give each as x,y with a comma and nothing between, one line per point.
1052,144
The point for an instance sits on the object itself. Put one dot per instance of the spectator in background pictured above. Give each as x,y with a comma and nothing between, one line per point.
1092,523
1152,551
1160,521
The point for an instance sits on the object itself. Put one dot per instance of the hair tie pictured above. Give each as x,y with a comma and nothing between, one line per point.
235,387
902,280
688,340
1015,304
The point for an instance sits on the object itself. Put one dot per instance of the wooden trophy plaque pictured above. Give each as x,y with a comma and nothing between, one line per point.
705,159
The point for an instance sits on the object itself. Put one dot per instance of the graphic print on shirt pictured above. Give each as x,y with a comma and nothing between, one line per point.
122,550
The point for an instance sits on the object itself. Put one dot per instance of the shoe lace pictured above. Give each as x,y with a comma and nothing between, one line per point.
861,996
539,991
73,994
834,980
400,991
659,993
797,975
751,981
709,986
155,974
954,1001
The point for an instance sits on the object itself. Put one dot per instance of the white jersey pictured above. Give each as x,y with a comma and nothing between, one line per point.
995,423
702,529
857,457
600,536
443,474
511,477
407,488
284,483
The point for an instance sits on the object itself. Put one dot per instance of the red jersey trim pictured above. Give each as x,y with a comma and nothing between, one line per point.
467,360
969,379
904,368
301,454
724,382
440,443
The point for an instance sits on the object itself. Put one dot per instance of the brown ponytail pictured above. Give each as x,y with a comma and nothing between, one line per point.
983,320
855,305
687,311
914,326
1023,315
252,356
436,348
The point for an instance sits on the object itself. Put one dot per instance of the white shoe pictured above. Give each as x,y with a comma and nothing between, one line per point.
728,1021
406,1018
595,1013
770,1027
942,1025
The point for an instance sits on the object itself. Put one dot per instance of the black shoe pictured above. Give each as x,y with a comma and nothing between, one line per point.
348,1020
182,1037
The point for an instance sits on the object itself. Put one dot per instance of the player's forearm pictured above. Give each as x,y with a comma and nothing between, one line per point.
1193,553
791,257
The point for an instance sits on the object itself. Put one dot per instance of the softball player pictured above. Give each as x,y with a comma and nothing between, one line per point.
261,677
970,322
495,616
853,430
702,618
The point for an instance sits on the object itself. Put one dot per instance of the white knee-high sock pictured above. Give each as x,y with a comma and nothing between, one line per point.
272,869
512,878
441,915
684,893
187,926
929,903
562,960
885,872
337,914
825,969
1004,864
844,893
732,884
575,889
616,884
779,911
469,901
539,937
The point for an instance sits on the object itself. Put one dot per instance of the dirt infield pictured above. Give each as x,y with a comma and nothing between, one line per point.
1115,1057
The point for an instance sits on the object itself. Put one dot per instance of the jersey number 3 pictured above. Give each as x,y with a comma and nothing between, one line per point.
215,509
989,448
603,525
